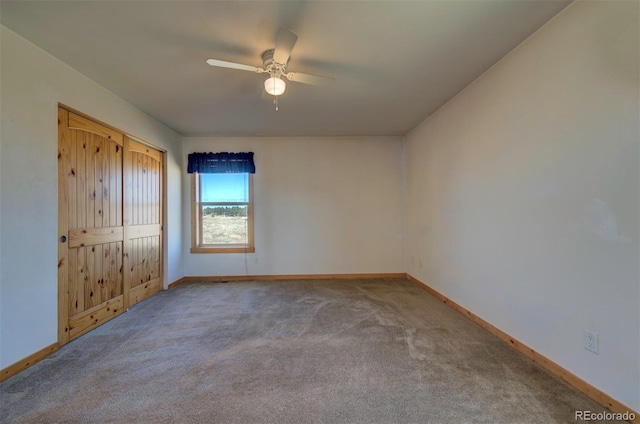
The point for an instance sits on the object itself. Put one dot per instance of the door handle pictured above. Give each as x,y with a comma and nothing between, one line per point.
63,239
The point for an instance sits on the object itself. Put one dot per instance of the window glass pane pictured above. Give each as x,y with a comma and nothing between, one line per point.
224,187
222,224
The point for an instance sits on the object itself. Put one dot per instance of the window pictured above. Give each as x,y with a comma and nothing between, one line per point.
222,213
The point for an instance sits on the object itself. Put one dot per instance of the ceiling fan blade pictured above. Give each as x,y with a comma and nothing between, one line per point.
284,44
309,79
232,65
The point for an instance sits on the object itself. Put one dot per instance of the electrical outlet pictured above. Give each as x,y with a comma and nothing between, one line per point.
591,341
412,260
420,264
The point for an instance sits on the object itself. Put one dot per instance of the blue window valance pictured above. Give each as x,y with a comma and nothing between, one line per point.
221,163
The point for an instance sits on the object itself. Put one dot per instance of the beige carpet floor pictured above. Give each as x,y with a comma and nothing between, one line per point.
361,351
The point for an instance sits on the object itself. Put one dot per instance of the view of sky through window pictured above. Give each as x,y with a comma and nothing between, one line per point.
225,188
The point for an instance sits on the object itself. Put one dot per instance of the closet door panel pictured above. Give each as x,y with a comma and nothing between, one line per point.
91,231
144,234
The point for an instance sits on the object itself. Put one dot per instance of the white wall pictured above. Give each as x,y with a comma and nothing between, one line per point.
32,83
322,206
522,195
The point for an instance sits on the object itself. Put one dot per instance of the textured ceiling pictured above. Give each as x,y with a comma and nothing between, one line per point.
394,62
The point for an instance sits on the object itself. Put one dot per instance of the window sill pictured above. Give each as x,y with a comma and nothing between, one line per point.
230,249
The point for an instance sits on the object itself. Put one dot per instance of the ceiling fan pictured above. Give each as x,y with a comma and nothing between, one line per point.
274,63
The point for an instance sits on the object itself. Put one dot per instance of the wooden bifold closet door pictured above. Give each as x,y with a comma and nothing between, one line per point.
109,224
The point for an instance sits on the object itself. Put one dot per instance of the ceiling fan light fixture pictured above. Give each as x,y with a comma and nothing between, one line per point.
274,86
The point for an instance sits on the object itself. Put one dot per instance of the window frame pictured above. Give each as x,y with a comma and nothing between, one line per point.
196,222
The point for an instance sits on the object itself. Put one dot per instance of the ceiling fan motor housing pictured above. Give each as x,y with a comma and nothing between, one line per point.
271,66
267,58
